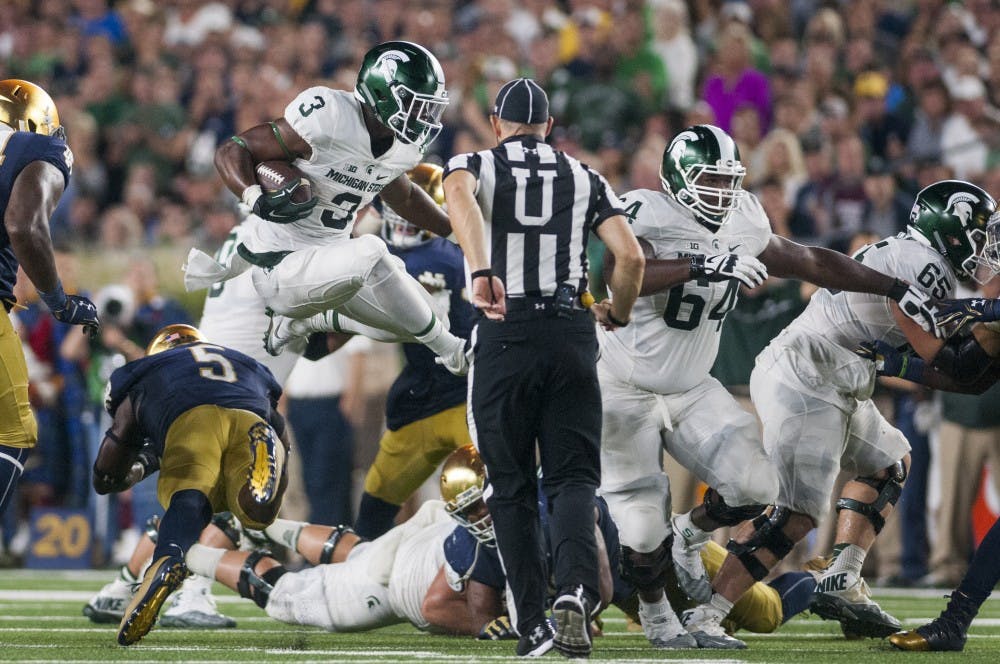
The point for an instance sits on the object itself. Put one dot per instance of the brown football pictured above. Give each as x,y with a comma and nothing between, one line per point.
275,174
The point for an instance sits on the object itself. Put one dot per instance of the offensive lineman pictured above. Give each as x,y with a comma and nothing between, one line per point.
352,148
35,164
656,389
812,393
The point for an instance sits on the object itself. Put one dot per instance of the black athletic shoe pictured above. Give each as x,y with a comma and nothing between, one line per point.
162,578
572,615
536,642
944,633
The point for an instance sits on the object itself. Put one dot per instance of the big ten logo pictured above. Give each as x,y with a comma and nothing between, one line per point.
60,539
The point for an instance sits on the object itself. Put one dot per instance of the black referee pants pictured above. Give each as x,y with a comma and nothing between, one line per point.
534,379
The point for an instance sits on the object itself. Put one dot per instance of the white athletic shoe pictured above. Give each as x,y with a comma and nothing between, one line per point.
194,607
455,360
108,605
662,627
705,625
845,596
278,333
691,574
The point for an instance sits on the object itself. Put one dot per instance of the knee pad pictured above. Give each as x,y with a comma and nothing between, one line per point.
647,571
889,490
326,555
375,259
768,534
254,586
717,509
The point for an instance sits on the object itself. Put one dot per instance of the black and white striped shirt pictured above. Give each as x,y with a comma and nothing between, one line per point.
539,206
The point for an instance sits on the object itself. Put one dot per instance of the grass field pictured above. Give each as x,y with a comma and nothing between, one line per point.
41,621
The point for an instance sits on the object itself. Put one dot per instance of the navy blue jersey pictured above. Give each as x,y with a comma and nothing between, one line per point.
469,558
168,384
425,388
17,150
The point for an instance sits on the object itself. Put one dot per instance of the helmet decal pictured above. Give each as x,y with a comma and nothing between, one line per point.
962,201
386,63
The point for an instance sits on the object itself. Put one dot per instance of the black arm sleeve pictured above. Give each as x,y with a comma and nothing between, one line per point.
962,359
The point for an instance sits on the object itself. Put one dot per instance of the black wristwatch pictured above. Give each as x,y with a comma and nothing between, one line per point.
614,321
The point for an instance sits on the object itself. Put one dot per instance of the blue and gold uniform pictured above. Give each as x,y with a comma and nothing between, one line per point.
425,411
199,405
18,149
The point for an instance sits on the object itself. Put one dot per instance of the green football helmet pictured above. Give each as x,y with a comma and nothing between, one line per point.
953,216
403,84
701,169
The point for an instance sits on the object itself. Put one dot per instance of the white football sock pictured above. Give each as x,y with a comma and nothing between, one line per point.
203,559
286,532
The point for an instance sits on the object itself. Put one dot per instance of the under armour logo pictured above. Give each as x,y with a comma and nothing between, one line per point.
537,635
540,305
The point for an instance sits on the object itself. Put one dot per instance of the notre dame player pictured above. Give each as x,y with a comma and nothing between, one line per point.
425,411
205,416
35,164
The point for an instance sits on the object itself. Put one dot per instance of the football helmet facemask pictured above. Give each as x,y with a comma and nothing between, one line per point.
954,216
26,107
173,336
403,84
462,481
398,231
701,169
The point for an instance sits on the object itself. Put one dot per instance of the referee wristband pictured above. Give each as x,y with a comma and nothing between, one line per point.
487,272
614,321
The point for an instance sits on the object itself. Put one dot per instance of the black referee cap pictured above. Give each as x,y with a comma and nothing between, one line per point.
522,100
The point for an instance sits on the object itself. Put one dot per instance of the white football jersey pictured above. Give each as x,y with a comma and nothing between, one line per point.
418,560
344,174
673,339
846,318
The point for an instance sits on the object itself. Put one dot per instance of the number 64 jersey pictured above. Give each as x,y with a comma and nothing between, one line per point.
674,336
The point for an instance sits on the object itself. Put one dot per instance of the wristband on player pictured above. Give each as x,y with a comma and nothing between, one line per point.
251,194
485,272
898,289
55,299
614,321
697,266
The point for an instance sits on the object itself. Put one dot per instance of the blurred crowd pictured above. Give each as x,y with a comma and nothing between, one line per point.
842,110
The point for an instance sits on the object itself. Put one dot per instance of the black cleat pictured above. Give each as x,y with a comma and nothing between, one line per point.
947,632
162,578
536,642
572,616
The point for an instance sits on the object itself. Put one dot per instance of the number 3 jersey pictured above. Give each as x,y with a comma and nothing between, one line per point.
344,174
168,384
673,339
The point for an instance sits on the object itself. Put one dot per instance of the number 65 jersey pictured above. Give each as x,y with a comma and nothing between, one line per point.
673,339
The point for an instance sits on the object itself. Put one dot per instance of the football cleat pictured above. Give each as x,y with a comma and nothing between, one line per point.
108,605
162,578
536,641
662,628
705,625
193,607
691,574
278,334
455,360
572,616
947,632
267,463
844,596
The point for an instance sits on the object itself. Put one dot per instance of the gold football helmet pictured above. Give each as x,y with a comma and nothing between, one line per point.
26,107
462,480
398,231
173,336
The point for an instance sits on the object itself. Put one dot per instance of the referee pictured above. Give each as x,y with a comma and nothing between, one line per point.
522,213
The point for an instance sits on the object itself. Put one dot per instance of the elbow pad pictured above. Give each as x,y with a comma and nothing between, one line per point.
962,359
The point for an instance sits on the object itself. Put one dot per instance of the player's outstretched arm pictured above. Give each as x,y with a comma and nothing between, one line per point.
416,206
459,613
831,269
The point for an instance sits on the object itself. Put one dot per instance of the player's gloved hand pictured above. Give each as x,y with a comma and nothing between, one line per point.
278,206
72,309
917,306
721,267
954,314
498,629
890,361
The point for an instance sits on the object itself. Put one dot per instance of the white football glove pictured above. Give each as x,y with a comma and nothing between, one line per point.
746,269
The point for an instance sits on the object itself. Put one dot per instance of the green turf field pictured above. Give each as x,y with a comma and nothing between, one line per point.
40,621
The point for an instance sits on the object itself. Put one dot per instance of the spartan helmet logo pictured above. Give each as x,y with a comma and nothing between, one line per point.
386,63
679,146
962,203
